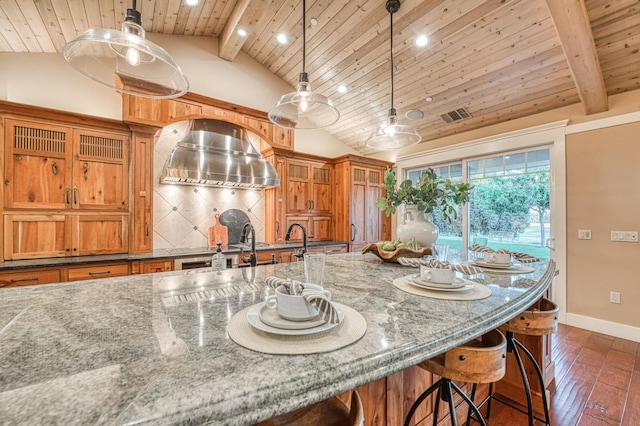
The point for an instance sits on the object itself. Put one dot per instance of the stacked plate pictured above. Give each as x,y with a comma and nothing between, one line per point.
484,264
458,284
267,320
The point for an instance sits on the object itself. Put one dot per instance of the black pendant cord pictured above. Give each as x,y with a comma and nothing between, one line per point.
304,38
391,26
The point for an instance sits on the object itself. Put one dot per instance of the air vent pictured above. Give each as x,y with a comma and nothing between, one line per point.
455,115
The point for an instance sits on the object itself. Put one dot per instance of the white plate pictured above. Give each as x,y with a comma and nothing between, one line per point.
457,282
466,285
253,316
270,316
495,265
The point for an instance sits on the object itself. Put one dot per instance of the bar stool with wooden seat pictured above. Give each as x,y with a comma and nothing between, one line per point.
541,319
330,412
479,361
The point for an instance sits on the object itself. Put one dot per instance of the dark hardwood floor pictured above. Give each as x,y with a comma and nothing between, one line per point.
597,381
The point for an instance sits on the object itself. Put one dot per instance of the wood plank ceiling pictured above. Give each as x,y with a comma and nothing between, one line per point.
497,59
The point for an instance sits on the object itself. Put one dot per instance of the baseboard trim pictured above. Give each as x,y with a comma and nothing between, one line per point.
605,327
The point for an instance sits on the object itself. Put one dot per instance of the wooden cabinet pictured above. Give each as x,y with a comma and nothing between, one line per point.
275,226
102,270
31,236
29,277
56,167
151,266
141,230
318,228
309,187
356,191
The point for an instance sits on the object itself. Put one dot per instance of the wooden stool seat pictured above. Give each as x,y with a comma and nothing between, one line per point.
330,412
539,320
481,360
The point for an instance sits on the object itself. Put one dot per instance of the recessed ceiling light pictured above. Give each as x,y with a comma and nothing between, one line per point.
314,21
342,88
428,99
422,40
242,32
191,2
282,39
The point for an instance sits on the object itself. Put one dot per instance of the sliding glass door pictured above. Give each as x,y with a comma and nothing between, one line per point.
509,207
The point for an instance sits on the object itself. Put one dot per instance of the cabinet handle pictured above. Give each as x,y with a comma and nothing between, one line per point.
277,227
85,170
24,280
75,196
313,205
146,226
67,192
100,273
384,228
54,168
353,232
310,205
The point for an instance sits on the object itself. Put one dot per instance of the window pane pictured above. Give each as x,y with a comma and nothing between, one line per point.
538,160
456,172
515,163
476,169
493,166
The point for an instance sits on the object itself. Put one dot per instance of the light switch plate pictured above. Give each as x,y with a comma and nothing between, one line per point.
584,234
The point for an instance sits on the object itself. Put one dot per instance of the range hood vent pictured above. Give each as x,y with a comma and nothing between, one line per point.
217,153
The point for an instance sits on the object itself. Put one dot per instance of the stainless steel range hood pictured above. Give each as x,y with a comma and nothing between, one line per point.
217,153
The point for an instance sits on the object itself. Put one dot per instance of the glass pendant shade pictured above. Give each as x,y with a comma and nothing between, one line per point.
304,109
392,135
126,61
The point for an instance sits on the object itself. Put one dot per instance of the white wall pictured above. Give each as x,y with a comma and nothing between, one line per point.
46,80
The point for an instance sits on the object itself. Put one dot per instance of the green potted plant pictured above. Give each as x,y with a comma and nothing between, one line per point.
428,194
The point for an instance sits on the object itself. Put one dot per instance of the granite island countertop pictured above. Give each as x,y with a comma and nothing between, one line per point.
154,349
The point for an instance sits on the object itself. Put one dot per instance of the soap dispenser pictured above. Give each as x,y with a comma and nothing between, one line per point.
218,261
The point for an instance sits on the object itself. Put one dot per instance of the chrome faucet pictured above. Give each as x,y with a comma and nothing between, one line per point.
253,258
287,237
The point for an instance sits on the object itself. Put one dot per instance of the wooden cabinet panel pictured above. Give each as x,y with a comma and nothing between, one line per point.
100,234
58,168
29,277
100,175
37,165
321,228
141,194
321,190
31,236
309,187
98,271
151,266
357,189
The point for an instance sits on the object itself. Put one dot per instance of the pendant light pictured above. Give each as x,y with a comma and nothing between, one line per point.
304,109
392,135
126,61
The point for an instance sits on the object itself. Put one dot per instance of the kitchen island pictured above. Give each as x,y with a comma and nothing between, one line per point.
154,348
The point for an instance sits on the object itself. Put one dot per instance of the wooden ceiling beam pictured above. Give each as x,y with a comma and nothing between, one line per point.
574,31
230,41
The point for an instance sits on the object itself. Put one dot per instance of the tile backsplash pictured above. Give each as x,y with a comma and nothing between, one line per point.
183,214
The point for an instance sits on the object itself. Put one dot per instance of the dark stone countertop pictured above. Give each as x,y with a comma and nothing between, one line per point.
8,265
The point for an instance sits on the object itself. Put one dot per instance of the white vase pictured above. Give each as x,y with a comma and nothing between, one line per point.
413,224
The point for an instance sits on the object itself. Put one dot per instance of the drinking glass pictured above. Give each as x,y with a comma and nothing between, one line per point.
314,268
441,251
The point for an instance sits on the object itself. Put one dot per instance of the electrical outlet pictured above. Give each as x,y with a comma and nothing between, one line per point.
584,234
631,236
614,297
